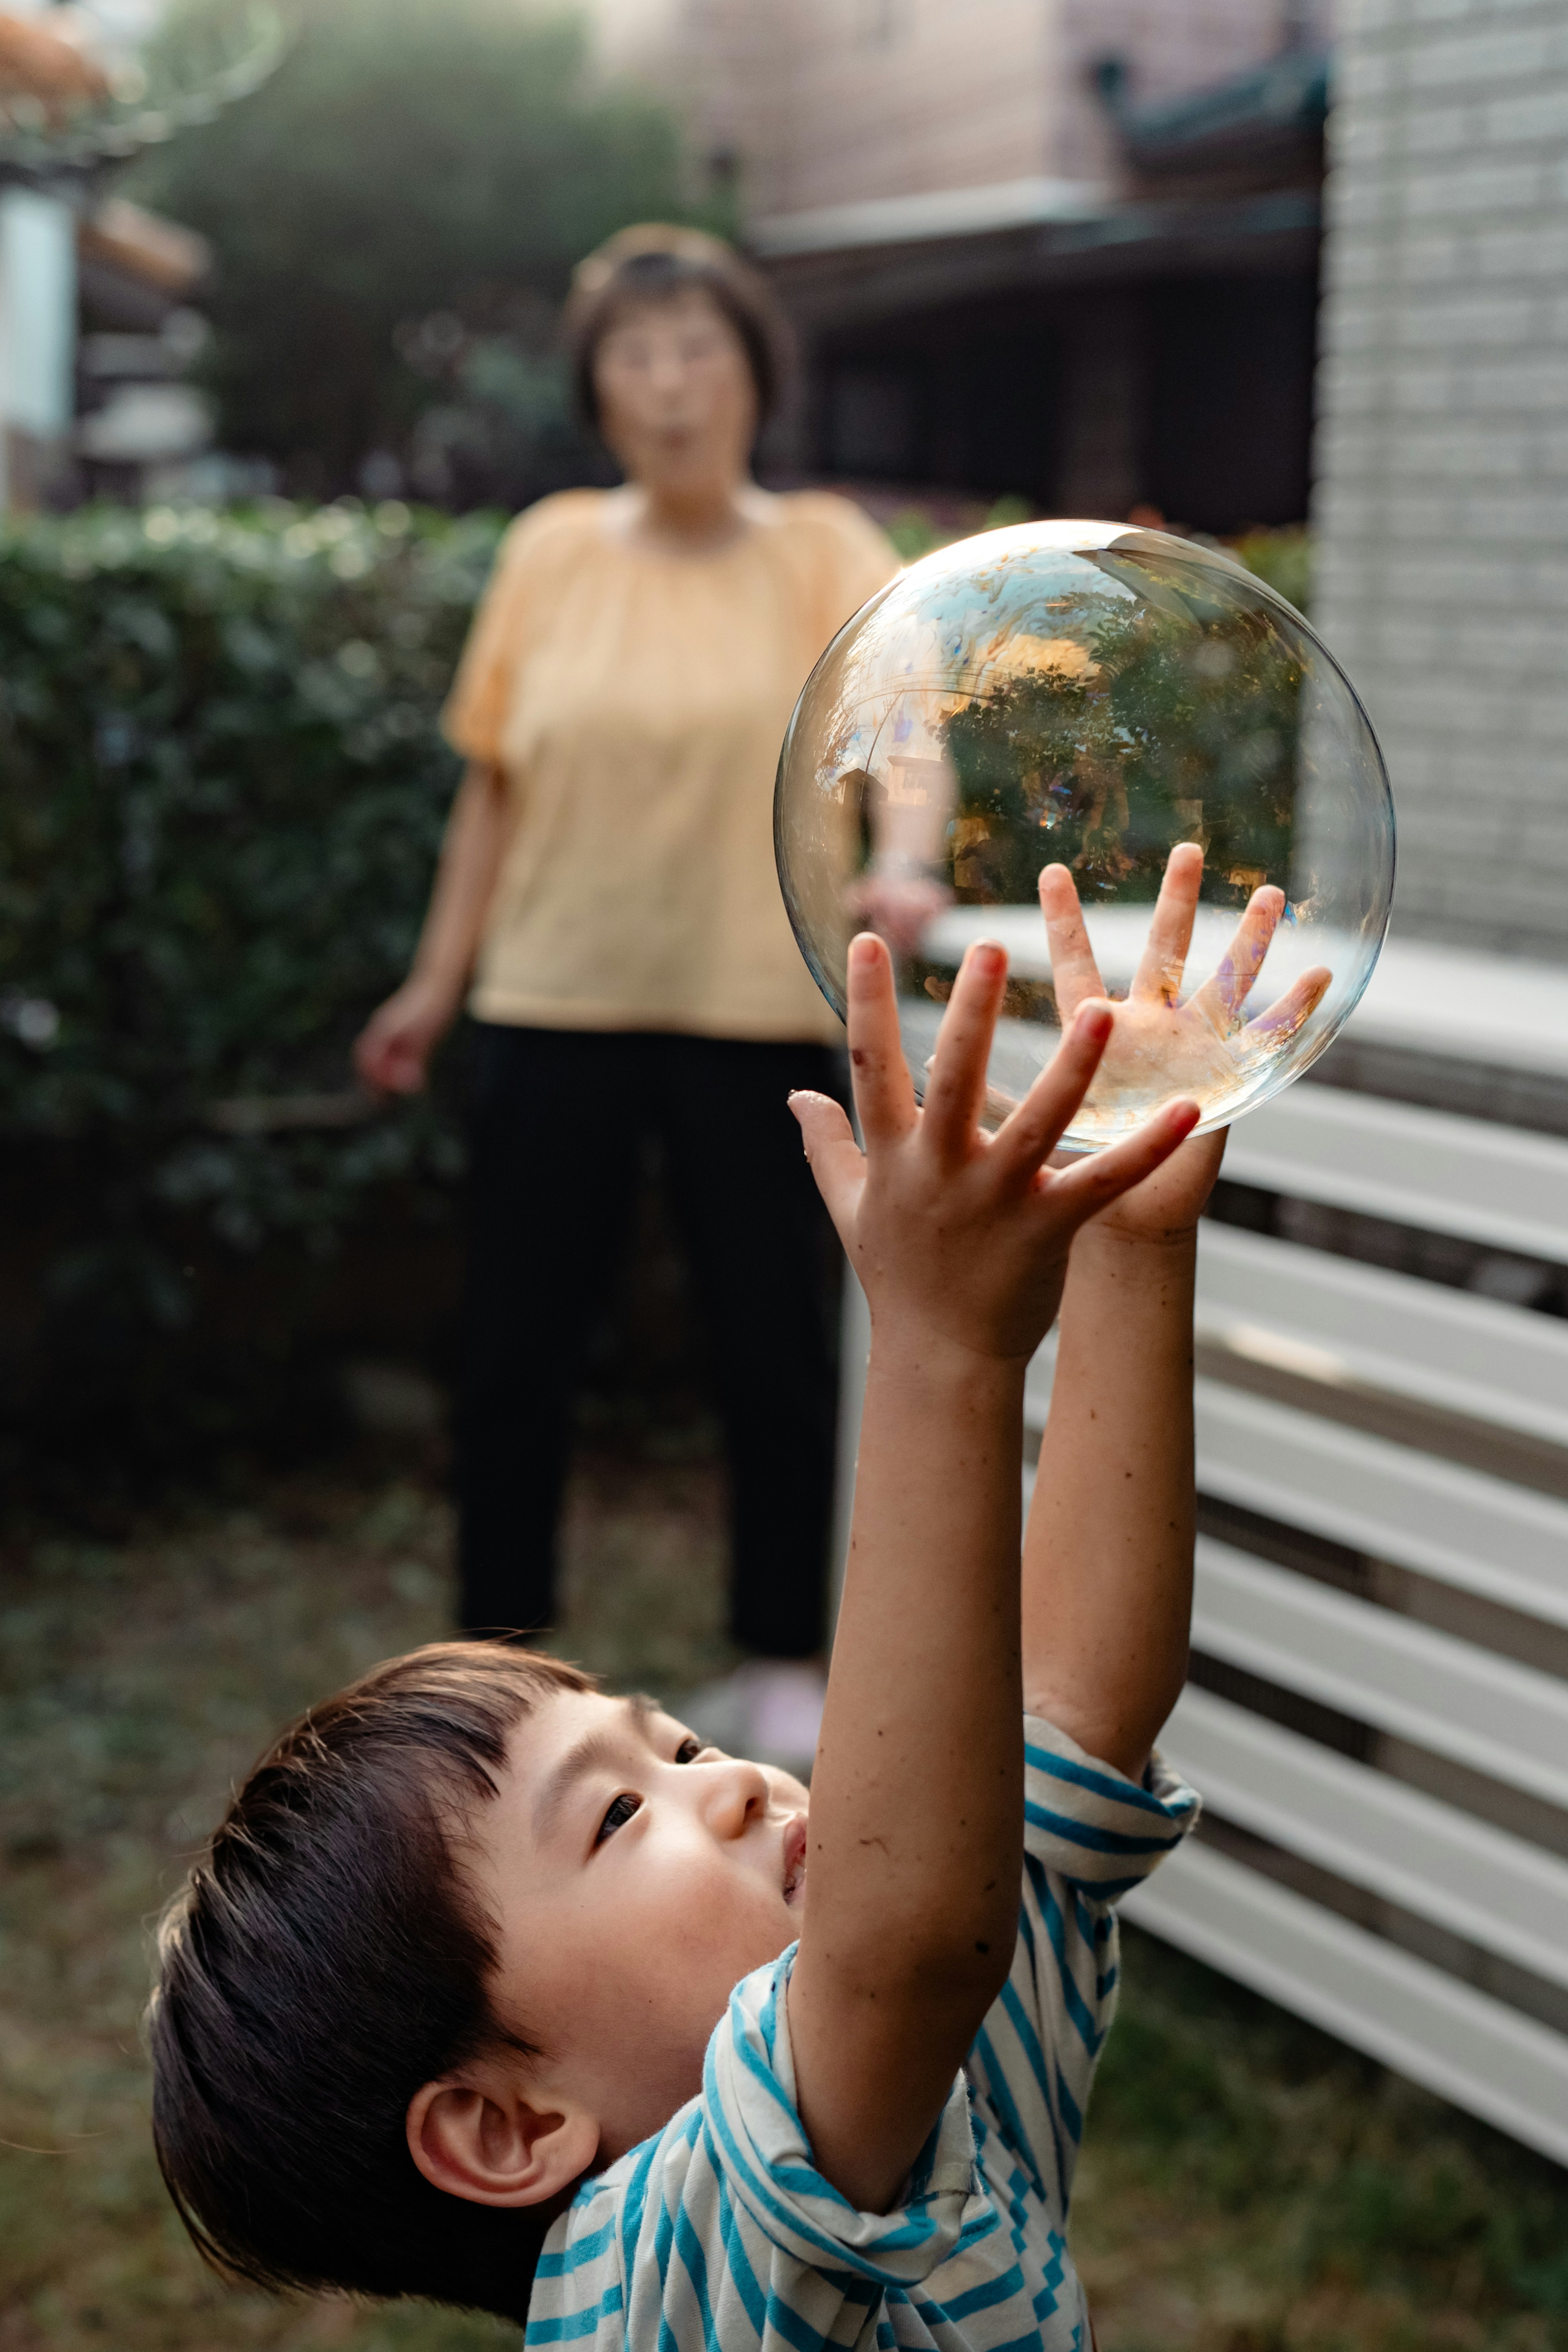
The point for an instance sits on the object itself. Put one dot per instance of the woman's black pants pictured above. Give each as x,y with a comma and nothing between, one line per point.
557,1116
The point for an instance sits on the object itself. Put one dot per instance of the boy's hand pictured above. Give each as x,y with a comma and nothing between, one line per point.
960,1239
1166,1206
1204,1043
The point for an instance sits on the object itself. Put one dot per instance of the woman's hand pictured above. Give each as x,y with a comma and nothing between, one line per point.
392,1052
1205,1045
897,907
960,1239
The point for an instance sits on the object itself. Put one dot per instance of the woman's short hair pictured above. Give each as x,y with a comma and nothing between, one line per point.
325,1959
654,263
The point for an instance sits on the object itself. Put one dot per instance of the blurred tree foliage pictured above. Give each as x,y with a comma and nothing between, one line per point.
224,788
396,215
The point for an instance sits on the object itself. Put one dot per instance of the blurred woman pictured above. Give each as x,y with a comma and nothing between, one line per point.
607,903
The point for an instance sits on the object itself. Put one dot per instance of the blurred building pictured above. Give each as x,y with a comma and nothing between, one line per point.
43,77
1063,248
138,420
97,327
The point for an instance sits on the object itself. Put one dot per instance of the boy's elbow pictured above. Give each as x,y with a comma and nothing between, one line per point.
1119,1728
962,1980
950,1965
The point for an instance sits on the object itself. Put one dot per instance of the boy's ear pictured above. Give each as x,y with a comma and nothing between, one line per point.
482,2140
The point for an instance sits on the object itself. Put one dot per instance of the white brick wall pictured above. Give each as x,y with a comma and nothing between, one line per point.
1442,502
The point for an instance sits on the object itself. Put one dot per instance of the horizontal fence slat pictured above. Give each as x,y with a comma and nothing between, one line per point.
1461,2043
1482,1535
1500,1186
1466,1005
1479,1882
1447,1696
1336,1320
1504,1543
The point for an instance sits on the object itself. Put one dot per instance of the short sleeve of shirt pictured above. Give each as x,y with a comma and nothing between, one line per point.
1089,1834
722,2232
867,558
853,558
476,707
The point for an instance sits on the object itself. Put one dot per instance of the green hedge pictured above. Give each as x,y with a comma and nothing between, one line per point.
223,792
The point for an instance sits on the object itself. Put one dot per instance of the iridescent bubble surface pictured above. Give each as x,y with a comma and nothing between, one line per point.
1088,697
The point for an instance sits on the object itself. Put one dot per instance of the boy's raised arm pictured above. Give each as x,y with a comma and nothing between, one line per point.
1107,1555
961,1243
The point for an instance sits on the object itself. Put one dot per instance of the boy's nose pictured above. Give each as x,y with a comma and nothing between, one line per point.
736,1794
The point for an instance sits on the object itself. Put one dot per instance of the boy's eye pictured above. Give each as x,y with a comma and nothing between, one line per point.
689,1750
619,1814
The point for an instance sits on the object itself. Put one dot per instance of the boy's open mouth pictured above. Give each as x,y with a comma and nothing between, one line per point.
795,1858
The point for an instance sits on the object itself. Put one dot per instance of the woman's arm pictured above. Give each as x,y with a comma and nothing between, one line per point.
395,1047
1107,1554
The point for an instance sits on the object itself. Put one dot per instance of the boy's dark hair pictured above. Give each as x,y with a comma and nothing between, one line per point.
323,1961
651,263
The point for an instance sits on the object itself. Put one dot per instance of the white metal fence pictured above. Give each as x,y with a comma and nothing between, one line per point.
1378,1713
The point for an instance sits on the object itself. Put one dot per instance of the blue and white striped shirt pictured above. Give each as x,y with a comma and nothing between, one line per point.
719,2235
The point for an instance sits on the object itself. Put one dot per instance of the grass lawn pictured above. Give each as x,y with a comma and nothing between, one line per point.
1248,2186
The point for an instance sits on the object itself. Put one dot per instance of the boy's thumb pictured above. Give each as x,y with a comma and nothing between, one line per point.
830,1146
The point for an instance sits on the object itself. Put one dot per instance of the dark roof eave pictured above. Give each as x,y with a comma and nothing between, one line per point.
1287,99
1176,237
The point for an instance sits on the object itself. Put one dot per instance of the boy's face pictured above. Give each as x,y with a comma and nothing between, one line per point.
635,1877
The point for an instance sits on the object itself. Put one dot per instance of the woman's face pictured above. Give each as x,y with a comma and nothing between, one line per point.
676,403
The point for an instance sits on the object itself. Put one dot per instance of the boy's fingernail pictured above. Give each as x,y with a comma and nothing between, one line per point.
988,954
862,947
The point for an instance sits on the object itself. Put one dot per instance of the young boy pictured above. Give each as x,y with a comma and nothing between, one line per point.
499,1990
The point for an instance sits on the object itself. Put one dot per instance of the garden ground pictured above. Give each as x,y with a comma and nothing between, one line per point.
1248,2185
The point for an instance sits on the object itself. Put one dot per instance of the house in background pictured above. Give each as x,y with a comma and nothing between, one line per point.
140,426
97,327
1062,248
43,77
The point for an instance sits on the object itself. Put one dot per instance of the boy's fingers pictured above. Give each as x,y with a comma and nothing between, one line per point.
884,1093
1030,1135
1096,1181
1222,997
956,1085
1164,956
1074,975
1288,1013
837,1161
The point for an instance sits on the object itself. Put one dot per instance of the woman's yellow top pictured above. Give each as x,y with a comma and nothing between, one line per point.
636,700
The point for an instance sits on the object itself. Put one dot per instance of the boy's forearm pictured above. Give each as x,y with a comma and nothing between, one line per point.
1107,1554
917,1799
924,1713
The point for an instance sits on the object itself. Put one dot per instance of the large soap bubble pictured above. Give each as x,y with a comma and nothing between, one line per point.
1049,713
